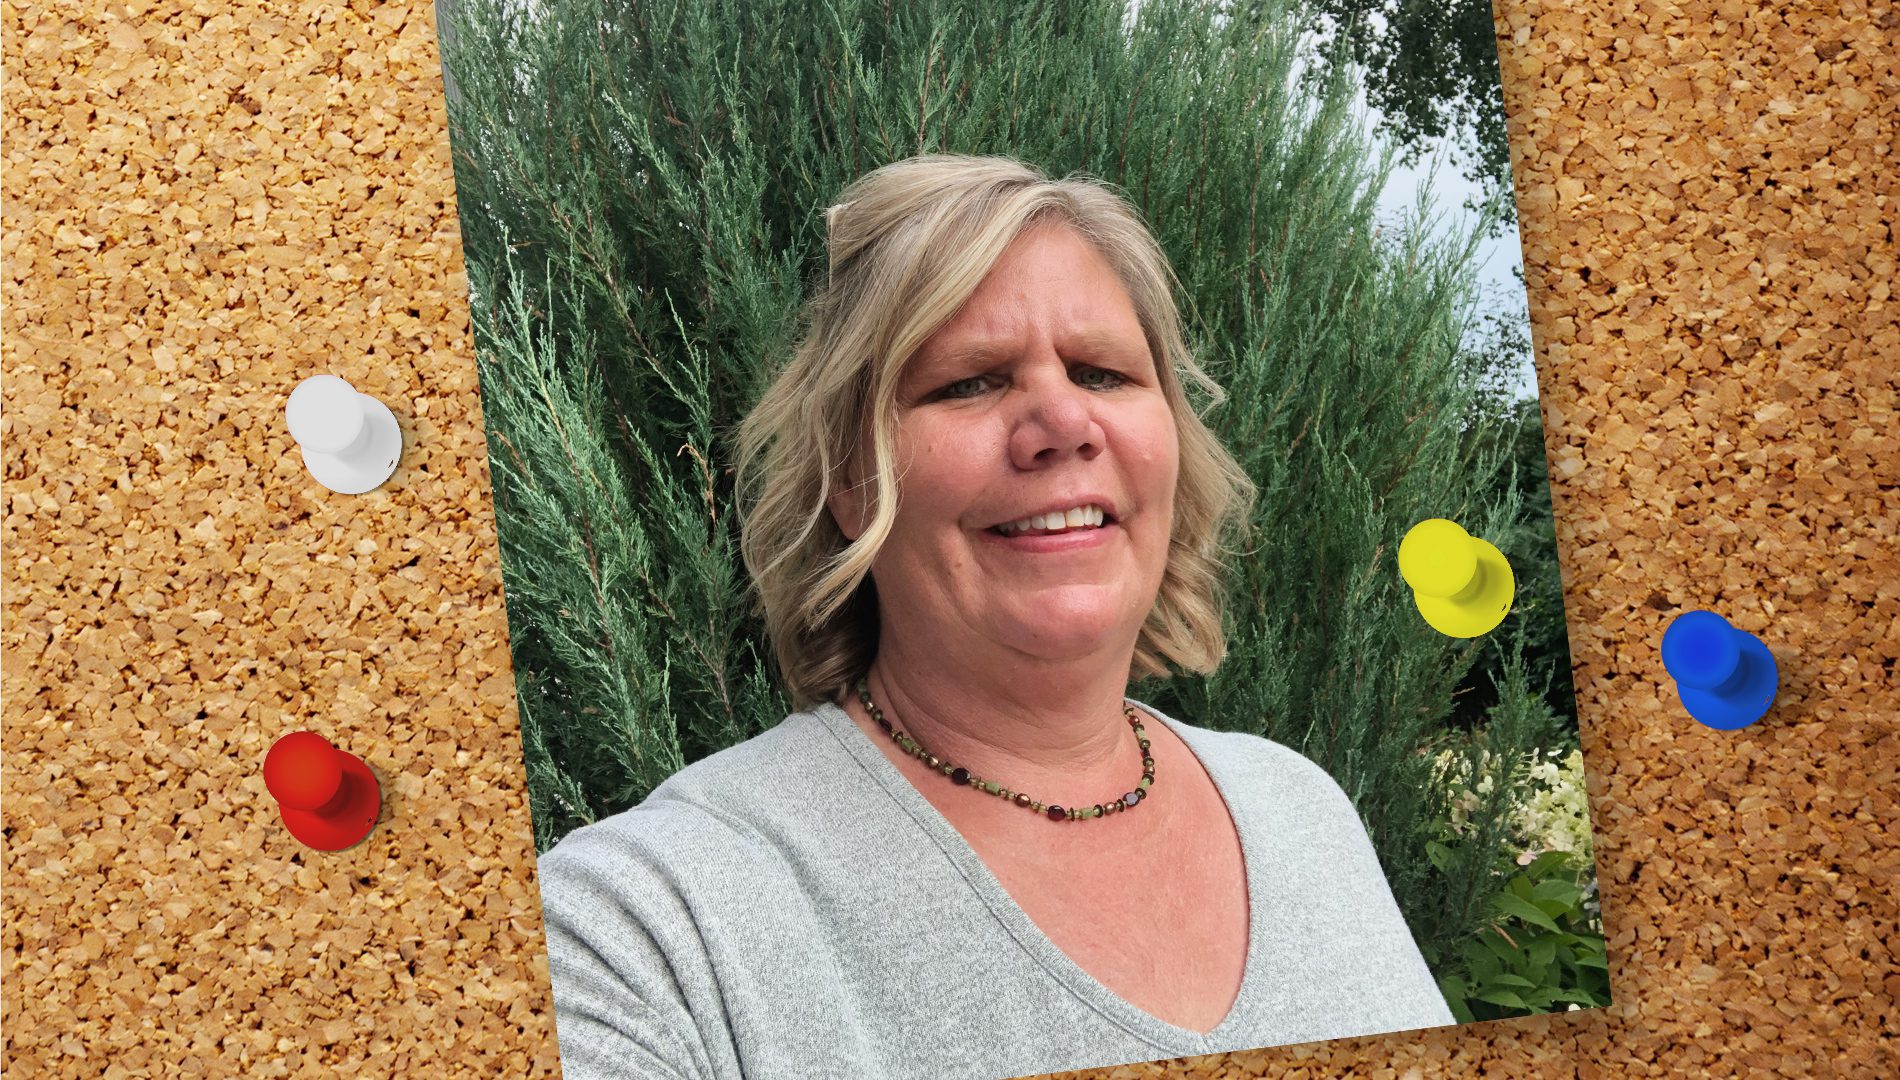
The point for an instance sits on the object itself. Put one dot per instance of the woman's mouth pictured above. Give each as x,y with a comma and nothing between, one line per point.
1078,519
1052,540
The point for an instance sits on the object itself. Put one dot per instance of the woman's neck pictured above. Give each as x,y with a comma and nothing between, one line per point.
1058,733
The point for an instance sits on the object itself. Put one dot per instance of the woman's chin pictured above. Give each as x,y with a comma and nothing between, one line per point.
1065,633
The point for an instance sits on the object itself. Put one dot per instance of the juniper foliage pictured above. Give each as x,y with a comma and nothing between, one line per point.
641,188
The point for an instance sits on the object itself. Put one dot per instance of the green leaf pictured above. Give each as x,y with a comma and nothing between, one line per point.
1542,951
1549,865
1557,889
1512,904
1480,960
1512,980
1460,1010
1553,908
1439,854
1580,997
1501,947
1503,997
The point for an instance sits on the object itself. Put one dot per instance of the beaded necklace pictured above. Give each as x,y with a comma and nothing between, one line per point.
962,776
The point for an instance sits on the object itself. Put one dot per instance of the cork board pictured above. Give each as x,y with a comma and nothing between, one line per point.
205,203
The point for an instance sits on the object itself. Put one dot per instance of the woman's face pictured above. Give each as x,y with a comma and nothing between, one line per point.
1038,395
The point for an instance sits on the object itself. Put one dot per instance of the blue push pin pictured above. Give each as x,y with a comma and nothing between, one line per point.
1725,677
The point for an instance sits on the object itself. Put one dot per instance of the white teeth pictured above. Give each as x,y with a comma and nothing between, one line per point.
1081,517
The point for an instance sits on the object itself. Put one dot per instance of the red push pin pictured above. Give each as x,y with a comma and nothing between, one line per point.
328,798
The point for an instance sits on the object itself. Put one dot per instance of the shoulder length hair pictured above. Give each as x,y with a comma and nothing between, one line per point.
908,244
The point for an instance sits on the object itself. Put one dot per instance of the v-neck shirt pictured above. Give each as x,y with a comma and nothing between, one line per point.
794,907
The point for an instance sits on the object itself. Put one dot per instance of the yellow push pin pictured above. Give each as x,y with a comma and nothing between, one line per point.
1462,584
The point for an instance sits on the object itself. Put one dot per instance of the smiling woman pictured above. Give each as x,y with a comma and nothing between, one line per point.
935,327
977,503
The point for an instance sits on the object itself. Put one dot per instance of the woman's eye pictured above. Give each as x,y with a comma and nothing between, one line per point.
951,390
1093,377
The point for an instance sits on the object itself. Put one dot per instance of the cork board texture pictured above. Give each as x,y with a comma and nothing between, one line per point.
206,203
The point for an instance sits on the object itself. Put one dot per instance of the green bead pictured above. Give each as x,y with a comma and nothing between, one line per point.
1145,781
990,786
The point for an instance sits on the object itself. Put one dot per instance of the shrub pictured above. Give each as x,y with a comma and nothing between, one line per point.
1545,947
1544,942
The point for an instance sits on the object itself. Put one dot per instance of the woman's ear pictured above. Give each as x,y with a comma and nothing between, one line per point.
847,503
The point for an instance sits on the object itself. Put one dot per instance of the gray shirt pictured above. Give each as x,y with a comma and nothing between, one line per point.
792,907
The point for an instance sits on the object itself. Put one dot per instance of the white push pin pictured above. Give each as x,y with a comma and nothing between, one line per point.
350,441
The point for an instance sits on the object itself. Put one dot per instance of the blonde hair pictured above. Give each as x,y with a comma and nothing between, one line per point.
908,244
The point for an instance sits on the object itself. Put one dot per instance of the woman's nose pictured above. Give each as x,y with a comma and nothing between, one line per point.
1057,419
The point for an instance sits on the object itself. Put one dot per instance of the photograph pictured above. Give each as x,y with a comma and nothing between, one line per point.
1025,529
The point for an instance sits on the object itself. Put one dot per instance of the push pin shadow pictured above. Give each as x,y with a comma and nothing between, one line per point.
1725,677
1462,585
350,441
328,798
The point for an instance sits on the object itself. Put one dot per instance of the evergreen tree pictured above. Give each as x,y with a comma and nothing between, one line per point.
641,189
1498,350
1432,70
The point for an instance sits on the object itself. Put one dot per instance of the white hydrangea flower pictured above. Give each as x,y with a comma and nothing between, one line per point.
1553,813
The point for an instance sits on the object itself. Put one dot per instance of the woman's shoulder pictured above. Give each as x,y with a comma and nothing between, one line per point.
720,803
776,764
1259,766
1240,746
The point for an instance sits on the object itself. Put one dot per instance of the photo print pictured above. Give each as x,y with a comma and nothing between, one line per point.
1025,529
